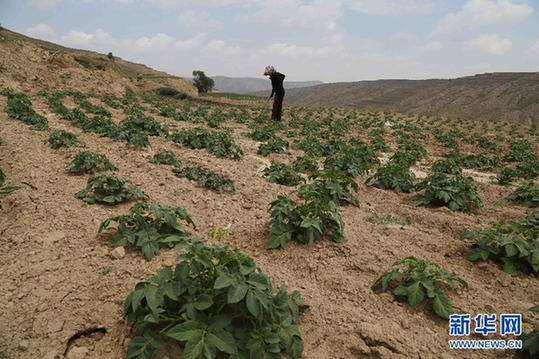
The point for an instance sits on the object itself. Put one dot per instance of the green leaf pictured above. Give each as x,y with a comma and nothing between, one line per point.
401,290
223,281
237,293
311,222
203,301
222,340
153,297
189,330
415,293
259,281
442,305
509,267
279,236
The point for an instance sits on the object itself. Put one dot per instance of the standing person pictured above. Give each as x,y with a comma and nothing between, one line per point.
277,89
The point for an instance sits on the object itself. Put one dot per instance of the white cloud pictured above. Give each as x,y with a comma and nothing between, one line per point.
481,13
406,36
46,3
193,43
76,38
390,7
333,35
535,47
42,31
491,44
199,21
432,46
103,38
219,46
293,13
297,52
79,38
159,42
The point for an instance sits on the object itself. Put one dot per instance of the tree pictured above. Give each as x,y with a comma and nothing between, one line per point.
202,82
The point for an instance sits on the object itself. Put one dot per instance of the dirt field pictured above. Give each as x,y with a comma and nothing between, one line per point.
62,287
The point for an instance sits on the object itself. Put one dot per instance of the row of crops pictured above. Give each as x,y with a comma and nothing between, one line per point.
216,299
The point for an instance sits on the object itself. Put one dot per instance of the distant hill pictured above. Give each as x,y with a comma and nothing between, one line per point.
510,97
243,85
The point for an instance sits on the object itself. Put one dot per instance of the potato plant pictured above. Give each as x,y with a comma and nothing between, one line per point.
19,106
530,341
214,302
90,162
520,151
109,189
283,174
355,160
209,179
333,186
274,145
166,158
394,175
457,193
305,164
513,244
6,188
416,278
505,176
218,143
149,226
527,194
59,138
307,222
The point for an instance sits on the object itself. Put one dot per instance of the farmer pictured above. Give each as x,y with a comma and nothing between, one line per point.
277,89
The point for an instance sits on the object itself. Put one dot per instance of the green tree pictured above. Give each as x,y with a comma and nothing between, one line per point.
202,82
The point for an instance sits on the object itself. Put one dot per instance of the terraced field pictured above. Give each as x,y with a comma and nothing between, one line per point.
322,204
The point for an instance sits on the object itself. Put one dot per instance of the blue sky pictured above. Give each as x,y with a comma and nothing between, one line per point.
327,40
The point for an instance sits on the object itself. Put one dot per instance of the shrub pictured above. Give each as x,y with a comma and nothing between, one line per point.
214,301
108,189
167,91
150,227
457,193
283,174
181,96
88,162
417,277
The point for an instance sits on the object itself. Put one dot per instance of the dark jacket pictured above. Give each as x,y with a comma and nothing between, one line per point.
277,87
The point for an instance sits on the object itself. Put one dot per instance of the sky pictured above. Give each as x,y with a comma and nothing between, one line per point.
326,40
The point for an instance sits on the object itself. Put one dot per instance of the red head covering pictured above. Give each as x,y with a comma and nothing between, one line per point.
269,70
